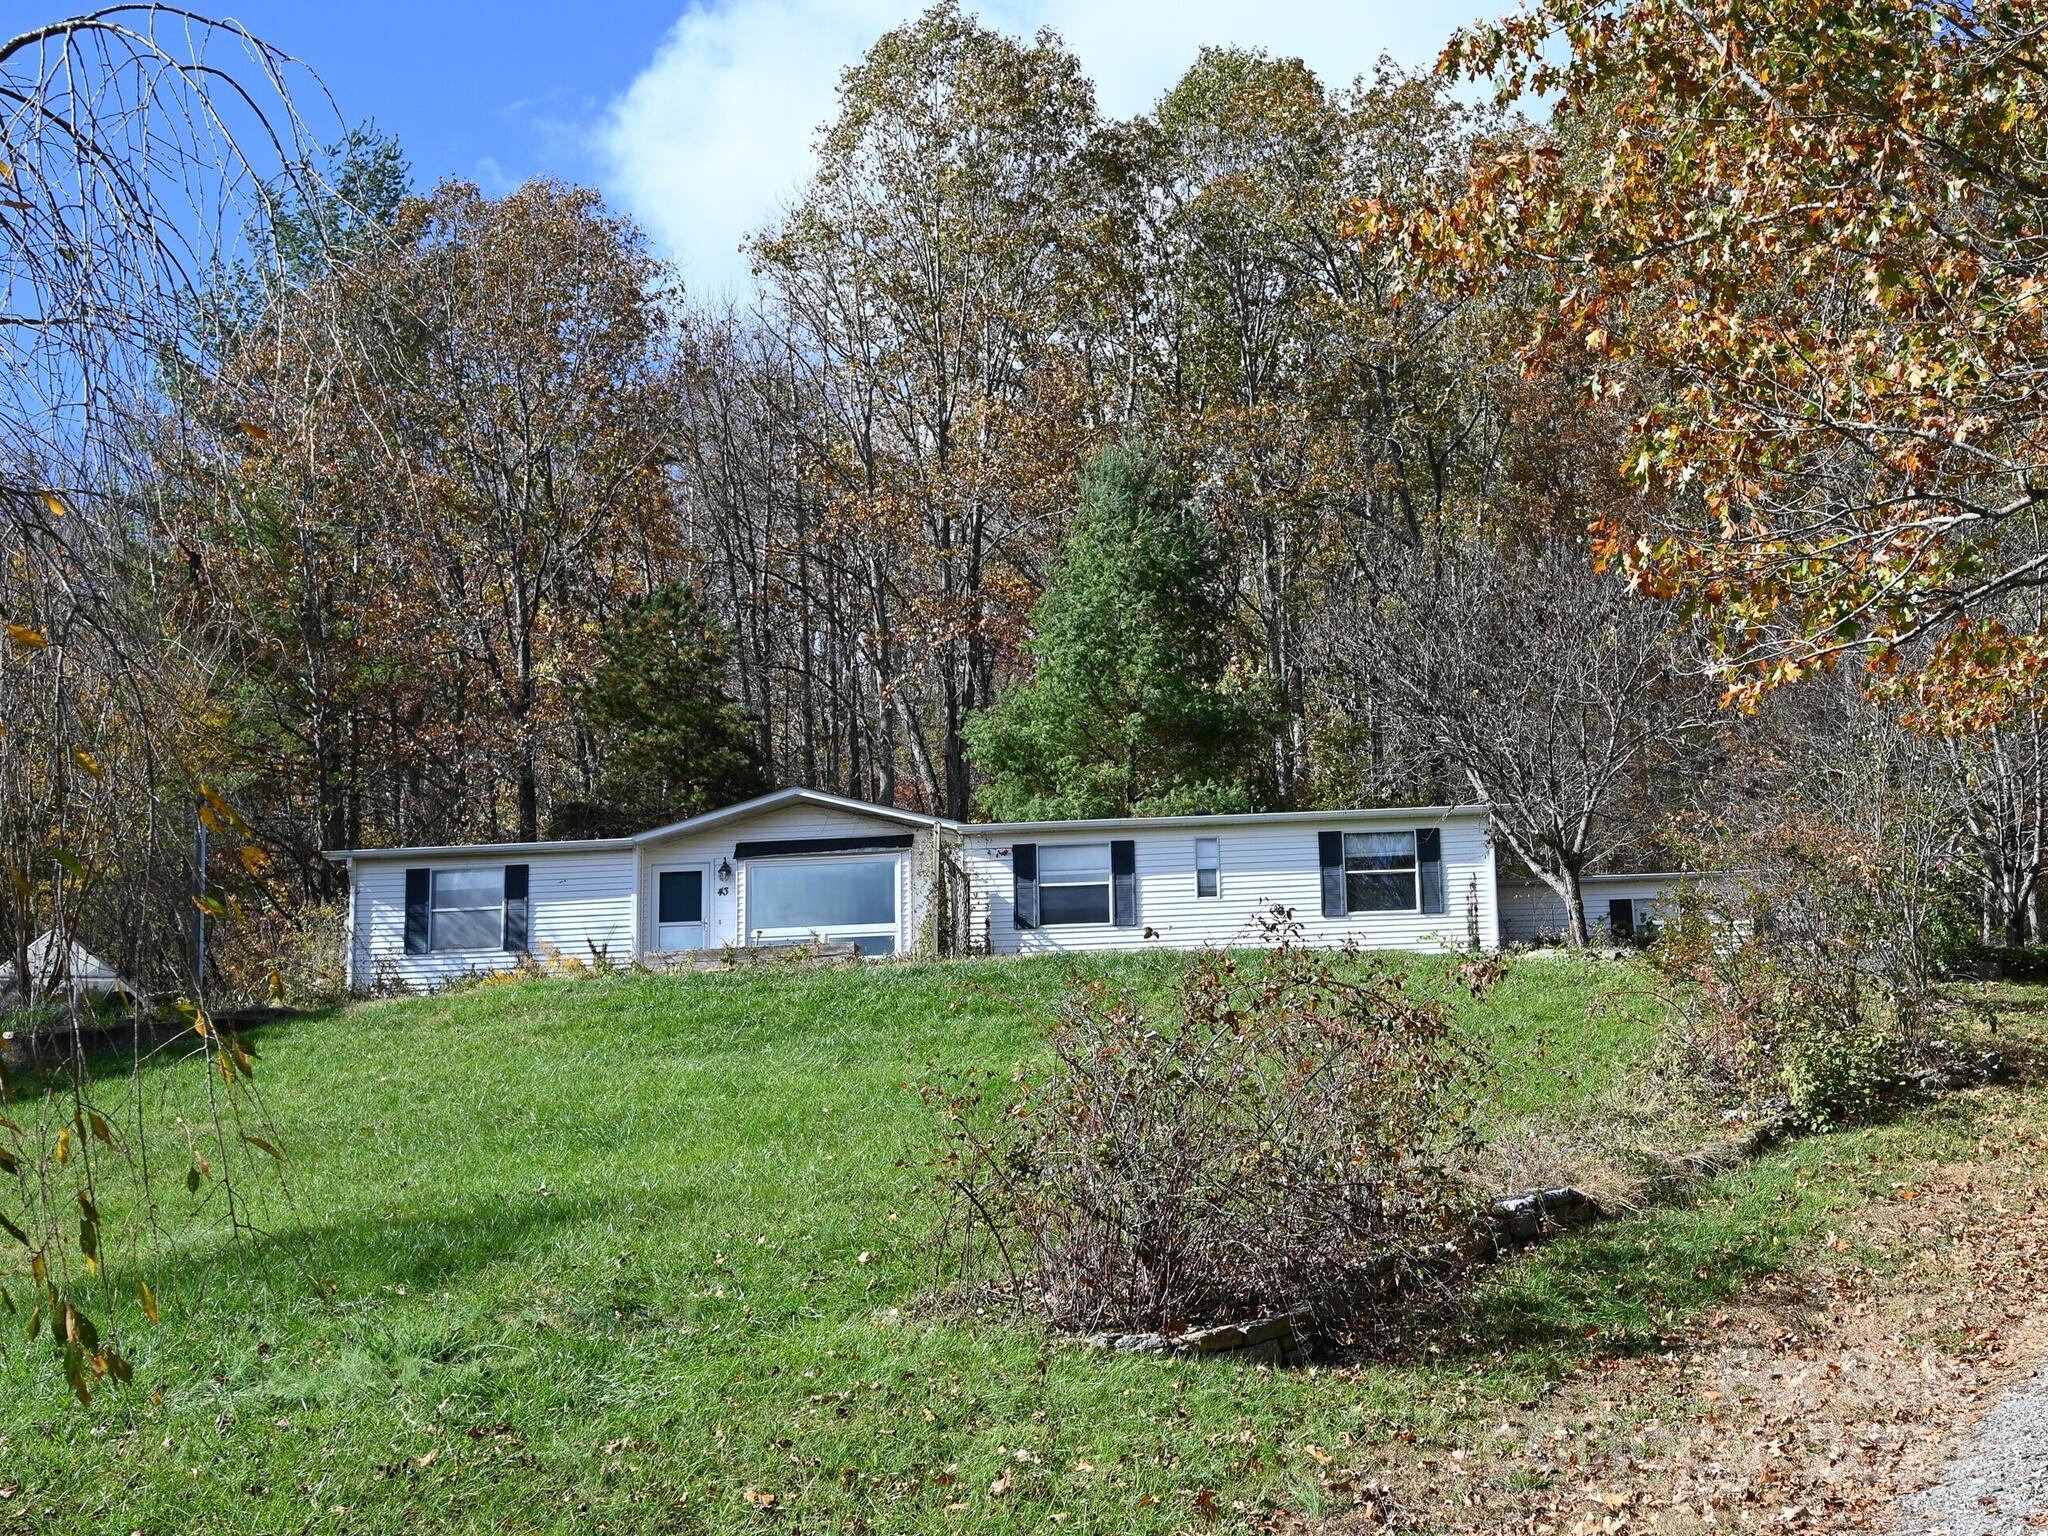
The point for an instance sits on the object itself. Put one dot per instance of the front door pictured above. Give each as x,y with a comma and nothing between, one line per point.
679,907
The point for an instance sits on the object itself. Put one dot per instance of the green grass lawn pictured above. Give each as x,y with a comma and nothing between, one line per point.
626,1255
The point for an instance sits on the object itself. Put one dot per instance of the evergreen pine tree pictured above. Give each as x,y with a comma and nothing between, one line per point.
1129,709
670,741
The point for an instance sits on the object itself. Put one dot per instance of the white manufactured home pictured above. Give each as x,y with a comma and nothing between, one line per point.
800,865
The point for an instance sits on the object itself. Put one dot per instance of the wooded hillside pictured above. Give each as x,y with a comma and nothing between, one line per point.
438,516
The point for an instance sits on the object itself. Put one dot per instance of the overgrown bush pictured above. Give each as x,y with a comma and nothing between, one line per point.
1796,975
294,959
1275,1127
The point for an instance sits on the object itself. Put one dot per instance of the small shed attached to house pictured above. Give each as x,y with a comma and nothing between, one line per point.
1620,908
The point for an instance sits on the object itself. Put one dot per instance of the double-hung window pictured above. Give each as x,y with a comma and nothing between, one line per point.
1380,872
1073,883
468,909
1208,866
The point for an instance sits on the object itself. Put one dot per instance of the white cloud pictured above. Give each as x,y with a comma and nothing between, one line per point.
714,137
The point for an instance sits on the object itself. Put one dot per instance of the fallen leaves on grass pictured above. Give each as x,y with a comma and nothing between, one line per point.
1811,1405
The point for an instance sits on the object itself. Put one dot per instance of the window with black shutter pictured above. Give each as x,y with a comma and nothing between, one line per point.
1123,876
1024,884
516,922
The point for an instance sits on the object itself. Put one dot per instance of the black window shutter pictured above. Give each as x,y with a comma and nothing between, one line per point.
419,888
1123,882
1024,873
515,908
1429,854
1330,854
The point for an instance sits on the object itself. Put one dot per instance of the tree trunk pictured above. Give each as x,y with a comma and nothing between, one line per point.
1574,892
529,796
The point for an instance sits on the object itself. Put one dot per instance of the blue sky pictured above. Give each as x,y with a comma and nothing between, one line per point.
696,118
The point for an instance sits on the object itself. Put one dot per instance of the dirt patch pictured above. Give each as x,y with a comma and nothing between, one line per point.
1814,1405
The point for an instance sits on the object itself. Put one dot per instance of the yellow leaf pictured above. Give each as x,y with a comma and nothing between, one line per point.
87,761
254,859
255,432
149,1308
217,814
27,638
54,503
64,1145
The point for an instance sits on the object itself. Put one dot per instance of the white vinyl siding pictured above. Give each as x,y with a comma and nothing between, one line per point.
1197,882
577,903
1532,913
1264,864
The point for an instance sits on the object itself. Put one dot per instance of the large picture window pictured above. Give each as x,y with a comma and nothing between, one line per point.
1380,871
1073,883
852,900
469,909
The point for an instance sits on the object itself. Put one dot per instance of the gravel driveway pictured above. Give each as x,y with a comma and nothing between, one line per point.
1998,1486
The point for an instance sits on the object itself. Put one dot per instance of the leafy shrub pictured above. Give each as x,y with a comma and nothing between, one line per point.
1280,1124
1796,976
1951,933
1837,1065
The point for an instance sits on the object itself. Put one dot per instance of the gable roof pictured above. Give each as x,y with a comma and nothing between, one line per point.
782,797
774,801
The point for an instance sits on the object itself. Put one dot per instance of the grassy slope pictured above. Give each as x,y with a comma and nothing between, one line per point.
609,1255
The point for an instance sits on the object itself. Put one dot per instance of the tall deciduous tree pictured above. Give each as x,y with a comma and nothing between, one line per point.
1130,708
914,283
1229,321
1817,227
539,470
449,455
1548,690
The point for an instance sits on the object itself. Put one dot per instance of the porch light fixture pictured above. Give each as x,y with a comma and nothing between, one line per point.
724,869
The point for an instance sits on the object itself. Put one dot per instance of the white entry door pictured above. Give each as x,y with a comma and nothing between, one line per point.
682,899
